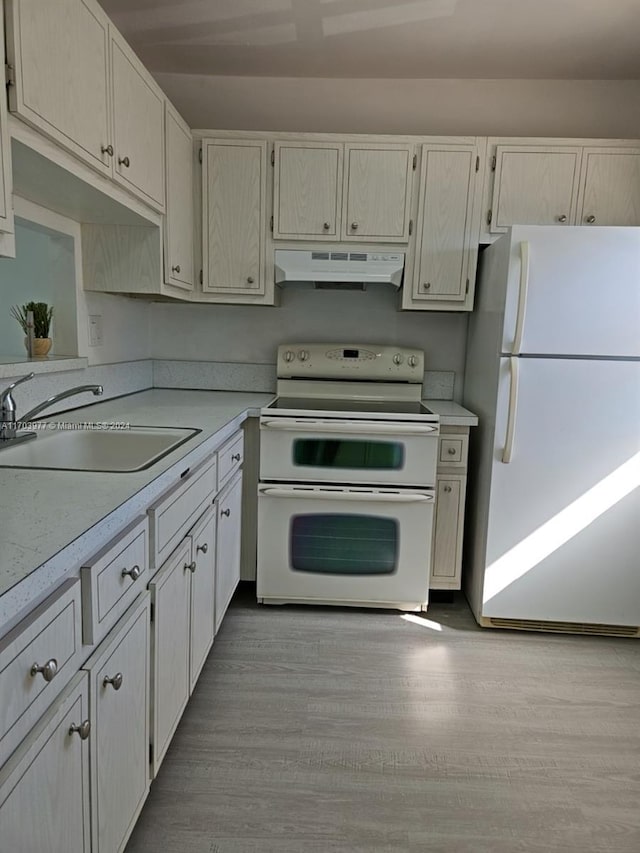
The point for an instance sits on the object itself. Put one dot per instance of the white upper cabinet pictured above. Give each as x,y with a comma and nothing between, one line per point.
138,125
610,187
307,190
6,209
445,251
58,55
534,185
178,235
377,192
234,217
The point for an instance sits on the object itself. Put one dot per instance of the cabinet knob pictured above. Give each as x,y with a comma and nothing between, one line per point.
590,219
124,161
354,226
226,513
176,268
49,669
250,279
134,572
83,729
107,149
204,548
562,217
426,285
451,451
235,457
190,567
326,226
115,681
447,488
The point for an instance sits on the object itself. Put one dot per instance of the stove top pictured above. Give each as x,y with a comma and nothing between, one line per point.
377,407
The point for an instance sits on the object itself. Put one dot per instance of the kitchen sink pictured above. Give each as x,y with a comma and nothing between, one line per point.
95,448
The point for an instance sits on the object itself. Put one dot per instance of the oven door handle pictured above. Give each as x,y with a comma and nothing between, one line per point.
360,427
276,492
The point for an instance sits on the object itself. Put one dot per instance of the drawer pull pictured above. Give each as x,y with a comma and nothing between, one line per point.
115,681
49,670
191,567
83,729
452,451
134,573
204,548
226,512
236,457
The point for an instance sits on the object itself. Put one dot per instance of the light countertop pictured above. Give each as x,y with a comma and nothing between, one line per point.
451,414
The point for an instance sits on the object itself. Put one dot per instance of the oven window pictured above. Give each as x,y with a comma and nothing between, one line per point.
344,544
348,453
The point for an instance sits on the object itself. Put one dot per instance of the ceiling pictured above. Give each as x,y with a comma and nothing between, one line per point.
484,39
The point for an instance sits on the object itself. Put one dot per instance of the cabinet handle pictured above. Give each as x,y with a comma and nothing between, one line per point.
452,451
134,573
354,226
226,512
562,218
447,488
176,268
235,457
190,567
326,226
250,279
83,729
49,670
426,285
590,219
107,149
124,161
204,548
115,681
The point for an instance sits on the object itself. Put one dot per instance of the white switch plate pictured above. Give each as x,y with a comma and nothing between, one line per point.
95,330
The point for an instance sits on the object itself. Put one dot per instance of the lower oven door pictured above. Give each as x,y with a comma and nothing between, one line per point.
316,450
354,546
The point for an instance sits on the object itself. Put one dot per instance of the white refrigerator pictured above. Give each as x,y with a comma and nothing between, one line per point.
553,372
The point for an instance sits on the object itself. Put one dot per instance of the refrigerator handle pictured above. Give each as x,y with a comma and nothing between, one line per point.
513,410
522,297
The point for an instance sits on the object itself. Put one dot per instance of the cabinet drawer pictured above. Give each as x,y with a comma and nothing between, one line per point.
49,639
178,510
452,451
230,457
112,578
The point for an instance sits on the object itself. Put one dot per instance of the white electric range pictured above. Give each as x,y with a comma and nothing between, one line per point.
347,479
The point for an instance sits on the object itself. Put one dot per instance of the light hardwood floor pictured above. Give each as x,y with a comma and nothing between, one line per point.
320,730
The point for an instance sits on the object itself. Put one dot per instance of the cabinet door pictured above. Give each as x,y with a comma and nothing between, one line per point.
6,209
178,236
233,228
170,635
44,787
203,579
610,187
229,510
306,190
377,192
119,687
534,186
446,550
60,59
445,257
138,124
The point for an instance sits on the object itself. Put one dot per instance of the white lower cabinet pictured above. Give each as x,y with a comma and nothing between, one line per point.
44,787
203,591
229,511
119,739
448,527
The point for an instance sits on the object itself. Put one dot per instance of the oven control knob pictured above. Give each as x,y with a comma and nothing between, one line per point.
288,355
398,358
413,361
303,355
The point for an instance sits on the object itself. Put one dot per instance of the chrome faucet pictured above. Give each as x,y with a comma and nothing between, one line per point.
8,420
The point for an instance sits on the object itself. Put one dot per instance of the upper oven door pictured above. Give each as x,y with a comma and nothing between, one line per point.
316,450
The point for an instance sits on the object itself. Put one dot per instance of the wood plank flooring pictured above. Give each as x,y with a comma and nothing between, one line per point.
326,730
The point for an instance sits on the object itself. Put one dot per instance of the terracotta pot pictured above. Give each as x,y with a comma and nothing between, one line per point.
41,347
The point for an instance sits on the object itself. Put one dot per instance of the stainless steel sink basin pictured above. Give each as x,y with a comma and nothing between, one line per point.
98,449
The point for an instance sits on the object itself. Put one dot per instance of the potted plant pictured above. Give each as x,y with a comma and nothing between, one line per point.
42,314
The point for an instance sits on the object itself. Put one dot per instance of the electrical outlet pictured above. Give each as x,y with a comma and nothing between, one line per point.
95,330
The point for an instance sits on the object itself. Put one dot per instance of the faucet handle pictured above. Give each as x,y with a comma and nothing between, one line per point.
6,394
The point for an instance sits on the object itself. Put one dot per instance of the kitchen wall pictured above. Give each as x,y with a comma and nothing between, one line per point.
589,108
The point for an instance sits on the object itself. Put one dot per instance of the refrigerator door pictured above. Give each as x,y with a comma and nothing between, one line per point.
563,533
581,295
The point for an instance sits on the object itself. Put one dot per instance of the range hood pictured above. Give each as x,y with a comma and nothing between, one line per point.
324,267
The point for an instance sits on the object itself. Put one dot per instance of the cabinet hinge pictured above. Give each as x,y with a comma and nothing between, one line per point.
150,753
201,277
415,161
8,75
200,155
466,290
478,163
493,163
410,227
273,157
271,224
489,215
